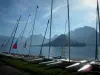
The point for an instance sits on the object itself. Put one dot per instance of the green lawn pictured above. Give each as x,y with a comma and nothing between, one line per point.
36,69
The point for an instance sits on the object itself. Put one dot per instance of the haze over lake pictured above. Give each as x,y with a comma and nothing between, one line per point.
86,52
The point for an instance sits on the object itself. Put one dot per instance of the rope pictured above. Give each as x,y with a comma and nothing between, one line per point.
24,30
33,28
14,34
11,34
44,39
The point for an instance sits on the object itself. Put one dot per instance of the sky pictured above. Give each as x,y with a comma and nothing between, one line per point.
82,13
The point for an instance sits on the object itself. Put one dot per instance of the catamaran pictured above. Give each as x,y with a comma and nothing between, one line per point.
12,38
59,61
30,57
90,65
16,46
49,57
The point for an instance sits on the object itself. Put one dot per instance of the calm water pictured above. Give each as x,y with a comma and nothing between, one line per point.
76,52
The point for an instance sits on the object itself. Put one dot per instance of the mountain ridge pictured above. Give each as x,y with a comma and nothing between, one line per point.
62,40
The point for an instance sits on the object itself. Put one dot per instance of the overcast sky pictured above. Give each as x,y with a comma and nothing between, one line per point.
82,13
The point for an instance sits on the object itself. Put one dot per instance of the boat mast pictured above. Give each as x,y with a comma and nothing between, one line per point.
33,29
24,29
50,29
22,33
97,22
44,39
11,35
98,18
96,52
68,28
14,34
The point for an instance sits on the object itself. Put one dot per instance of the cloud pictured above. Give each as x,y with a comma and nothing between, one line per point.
91,16
90,3
54,10
89,19
86,4
77,26
82,15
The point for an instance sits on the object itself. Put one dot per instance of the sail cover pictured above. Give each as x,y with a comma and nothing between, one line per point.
15,45
85,68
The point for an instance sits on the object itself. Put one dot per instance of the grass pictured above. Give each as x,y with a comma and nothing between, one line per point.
36,68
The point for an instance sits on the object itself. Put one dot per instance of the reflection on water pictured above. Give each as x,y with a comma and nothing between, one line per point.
76,52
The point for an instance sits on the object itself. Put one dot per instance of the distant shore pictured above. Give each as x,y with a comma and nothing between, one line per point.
60,46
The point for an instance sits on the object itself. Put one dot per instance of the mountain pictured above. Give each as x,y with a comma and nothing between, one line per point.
84,34
36,39
62,40
6,40
80,36
3,39
54,37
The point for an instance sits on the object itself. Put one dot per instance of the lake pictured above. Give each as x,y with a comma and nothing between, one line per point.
76,52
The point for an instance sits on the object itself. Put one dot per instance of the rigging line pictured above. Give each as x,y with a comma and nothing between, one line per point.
50,29
44,38
12,40
65,27
63,47
18,40
24,29
14,34
22,33
64,44
68,28
11,34
33,28
29,33
19,36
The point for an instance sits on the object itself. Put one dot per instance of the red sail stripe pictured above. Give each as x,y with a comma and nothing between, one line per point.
15,46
